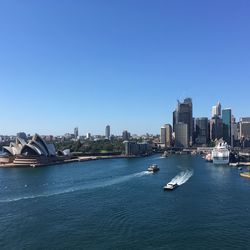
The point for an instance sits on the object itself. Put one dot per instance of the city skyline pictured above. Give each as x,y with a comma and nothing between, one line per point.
215,114
80,68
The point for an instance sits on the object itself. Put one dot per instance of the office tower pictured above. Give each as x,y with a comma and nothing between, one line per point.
201,128
163,135
181,135
216,110
245,127
166,135
76,132
125,135
88,136
168,142
174,120
234,131
184,114
227,120
107,132
216,128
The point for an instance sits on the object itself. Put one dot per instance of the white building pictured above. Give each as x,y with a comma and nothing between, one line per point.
216,110
245,127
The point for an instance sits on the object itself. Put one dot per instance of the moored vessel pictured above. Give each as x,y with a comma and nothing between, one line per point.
220,153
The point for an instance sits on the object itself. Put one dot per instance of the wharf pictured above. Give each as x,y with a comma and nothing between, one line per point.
237,164
65,161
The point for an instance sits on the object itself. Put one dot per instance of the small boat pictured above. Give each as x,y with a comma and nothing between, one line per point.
239,168
208,157
165,154
170,186
153,168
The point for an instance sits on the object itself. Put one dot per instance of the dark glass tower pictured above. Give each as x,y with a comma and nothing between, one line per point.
216,128
227,120
184,114
201,130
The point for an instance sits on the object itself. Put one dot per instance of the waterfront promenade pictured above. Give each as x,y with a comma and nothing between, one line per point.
65,161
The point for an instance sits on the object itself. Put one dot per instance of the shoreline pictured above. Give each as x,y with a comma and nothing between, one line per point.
67,161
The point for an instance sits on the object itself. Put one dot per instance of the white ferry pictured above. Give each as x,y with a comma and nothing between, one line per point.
170,186
153,168
220,153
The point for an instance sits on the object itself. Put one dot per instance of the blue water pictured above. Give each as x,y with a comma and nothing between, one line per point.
116,204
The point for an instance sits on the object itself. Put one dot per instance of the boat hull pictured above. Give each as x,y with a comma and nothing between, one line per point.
221,161
220,157
170,187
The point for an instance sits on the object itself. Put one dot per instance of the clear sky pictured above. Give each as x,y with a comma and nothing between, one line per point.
124,63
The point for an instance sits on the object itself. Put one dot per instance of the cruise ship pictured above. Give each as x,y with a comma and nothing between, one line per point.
220,153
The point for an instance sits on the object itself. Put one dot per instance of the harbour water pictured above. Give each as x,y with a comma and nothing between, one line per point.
116,204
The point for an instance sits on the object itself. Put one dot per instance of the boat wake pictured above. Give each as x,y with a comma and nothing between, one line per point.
86,186
182,177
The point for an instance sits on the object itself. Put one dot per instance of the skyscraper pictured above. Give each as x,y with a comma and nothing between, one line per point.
76,132
163,135
201,128
216,128
166,135
125,135
245,127
168,142
174,120
107,132
234,131
184,114
216,110
227,120
181,135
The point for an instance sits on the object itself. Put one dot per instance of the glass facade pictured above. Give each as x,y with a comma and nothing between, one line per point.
227,120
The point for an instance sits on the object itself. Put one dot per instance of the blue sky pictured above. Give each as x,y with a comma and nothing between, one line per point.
124,63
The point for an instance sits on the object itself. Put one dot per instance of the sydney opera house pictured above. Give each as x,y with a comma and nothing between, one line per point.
34,152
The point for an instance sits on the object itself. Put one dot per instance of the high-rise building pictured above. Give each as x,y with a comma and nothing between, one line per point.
201,128
76,132
216,128
163,135
184,114
88,136
234,132
174,120
166,135
107,132
245,127
181,135
125,135
227,122
216,110
169,131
